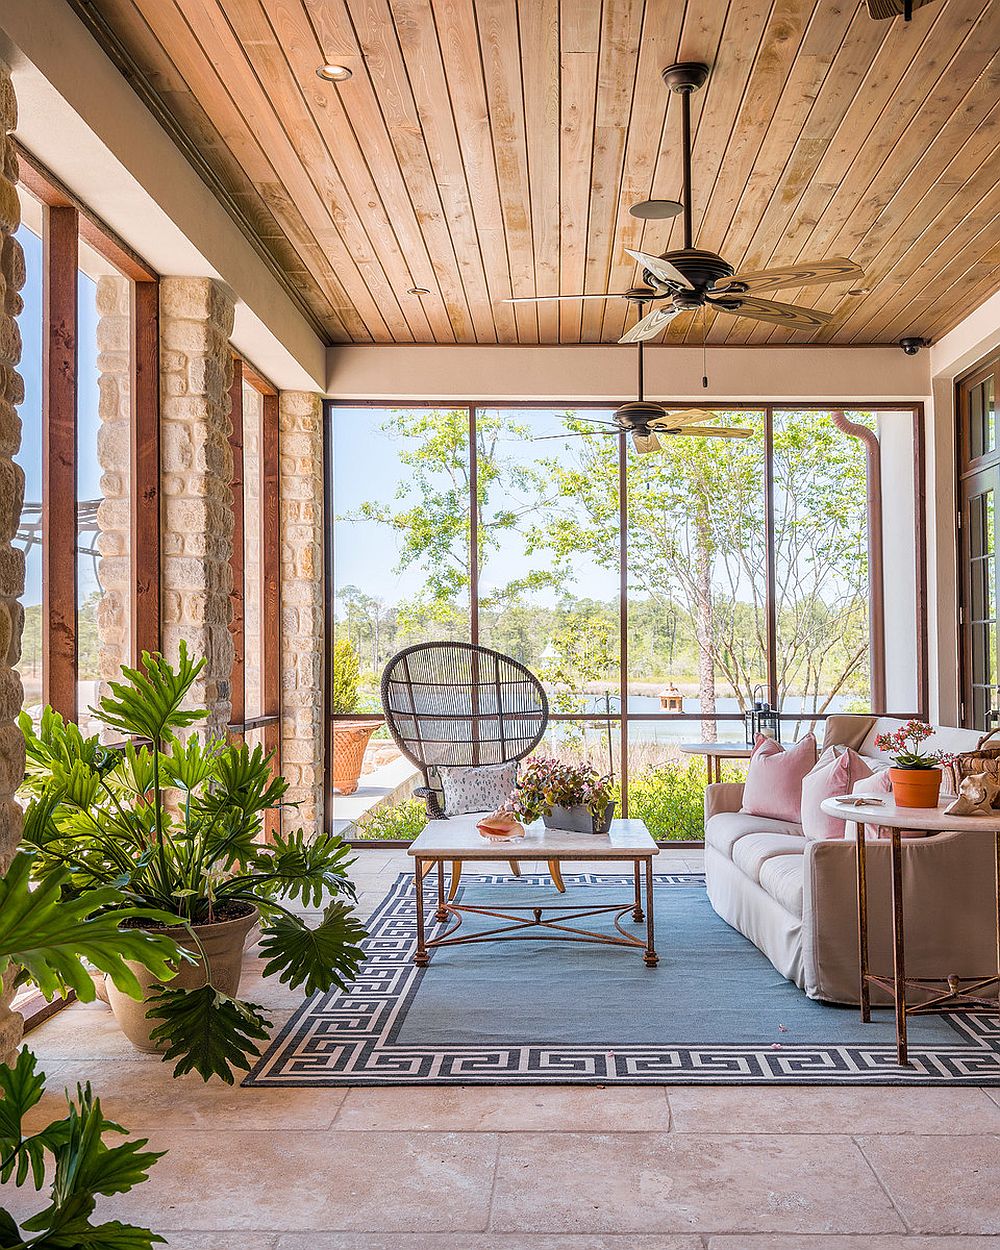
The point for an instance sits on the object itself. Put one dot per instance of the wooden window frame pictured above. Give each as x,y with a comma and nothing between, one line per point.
268,570
66,221
768,409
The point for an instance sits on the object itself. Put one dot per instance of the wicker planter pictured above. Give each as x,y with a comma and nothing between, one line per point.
222,944
350,741
915,787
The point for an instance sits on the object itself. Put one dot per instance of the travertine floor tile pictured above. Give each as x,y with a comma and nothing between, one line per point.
485,1241
222,1241
296,1181
831,1110
648,1182
500,1109
940,1184
875,1242
146,1098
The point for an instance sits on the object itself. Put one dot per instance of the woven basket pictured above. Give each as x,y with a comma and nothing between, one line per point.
982,760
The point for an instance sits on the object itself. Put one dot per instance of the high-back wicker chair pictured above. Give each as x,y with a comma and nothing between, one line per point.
452,704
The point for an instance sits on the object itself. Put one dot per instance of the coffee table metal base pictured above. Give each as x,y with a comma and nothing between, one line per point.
523,923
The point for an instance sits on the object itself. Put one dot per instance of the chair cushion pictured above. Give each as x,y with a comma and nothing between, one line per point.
774,778
478,789
751,853
836,772
783,877
725,829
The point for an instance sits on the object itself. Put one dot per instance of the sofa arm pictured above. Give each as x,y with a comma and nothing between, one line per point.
723,796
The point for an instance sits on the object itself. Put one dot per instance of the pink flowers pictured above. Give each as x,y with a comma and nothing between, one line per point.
546,783
896,746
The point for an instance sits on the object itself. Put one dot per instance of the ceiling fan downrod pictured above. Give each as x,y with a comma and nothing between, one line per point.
684,78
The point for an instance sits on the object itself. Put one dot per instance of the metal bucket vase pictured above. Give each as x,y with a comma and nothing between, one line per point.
223,948
578,819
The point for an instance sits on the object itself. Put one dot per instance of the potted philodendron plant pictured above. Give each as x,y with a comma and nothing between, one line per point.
177,827
566,796
44,940
915,776
350,737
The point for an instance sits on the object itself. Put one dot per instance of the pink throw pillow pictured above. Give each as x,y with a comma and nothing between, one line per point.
774,779
837,771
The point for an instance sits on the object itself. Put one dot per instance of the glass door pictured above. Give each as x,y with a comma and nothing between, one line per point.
980,548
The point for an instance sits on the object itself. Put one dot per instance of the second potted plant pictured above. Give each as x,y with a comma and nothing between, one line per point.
350,737
915,777
566,796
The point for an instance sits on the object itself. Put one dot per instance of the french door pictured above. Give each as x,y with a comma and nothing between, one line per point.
979,497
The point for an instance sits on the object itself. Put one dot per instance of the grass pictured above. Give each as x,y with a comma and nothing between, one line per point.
398,822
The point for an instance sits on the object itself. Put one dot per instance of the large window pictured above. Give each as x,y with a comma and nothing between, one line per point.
656,596
89,448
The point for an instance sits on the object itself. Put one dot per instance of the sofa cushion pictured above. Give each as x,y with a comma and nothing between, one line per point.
774,778
944,738
836,772
751,852
783,877
725,829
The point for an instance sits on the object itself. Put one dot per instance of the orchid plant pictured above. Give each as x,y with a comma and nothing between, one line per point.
903,746
546,783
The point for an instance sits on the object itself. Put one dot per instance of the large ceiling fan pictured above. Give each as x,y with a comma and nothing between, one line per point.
648,421
691,278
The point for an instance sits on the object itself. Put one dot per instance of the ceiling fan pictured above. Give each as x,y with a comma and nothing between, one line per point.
647,421
690,278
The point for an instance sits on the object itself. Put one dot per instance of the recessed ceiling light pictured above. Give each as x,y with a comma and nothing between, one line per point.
334,73
418,290
656,210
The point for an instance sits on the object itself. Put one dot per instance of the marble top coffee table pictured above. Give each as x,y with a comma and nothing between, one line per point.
458,840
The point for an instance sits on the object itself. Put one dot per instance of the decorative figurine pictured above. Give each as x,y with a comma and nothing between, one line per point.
976,796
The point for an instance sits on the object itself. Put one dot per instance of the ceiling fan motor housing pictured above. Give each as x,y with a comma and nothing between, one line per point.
638,414
702,270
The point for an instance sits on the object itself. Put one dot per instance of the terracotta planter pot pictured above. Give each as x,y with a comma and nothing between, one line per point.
223,950
350,741
915,787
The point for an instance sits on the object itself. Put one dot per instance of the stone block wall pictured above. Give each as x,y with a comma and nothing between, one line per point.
11,498
302,607
114,439
196,321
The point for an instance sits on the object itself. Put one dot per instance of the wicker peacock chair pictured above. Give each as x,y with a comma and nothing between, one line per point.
455,705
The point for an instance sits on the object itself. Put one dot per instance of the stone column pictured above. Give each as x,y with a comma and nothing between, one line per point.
114,343
196,321
302,606
11,498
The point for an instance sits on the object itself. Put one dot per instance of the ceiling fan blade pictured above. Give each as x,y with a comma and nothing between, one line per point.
789,315
708,431
660,268
541,438
539,299
838,269
650,325
646,442
683,416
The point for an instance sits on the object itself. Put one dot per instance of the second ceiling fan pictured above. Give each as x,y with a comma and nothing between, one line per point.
690,278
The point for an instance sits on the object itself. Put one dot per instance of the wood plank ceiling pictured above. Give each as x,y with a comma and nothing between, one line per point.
484,148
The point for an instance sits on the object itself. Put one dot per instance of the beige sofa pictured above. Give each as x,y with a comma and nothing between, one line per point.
796,900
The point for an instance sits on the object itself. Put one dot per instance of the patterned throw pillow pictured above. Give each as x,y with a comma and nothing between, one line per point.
482,788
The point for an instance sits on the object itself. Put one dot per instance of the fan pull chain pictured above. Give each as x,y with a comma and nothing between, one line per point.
704,349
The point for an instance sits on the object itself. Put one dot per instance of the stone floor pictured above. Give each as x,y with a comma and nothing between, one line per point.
537,1168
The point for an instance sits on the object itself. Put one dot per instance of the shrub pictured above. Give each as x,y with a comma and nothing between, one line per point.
346,667
670,798
398,822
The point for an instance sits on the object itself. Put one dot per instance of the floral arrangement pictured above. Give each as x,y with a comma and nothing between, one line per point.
904,755
546,784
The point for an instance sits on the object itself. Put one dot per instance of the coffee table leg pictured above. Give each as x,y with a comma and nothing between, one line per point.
650,957
420,958
866,1007
637,909
898,955
442,911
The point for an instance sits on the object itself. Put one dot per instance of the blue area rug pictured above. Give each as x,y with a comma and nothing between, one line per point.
539,1012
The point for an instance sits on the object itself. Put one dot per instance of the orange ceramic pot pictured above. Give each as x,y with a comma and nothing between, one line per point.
915,787
350,740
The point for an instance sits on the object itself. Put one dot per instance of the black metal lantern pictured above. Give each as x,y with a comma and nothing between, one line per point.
761,718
